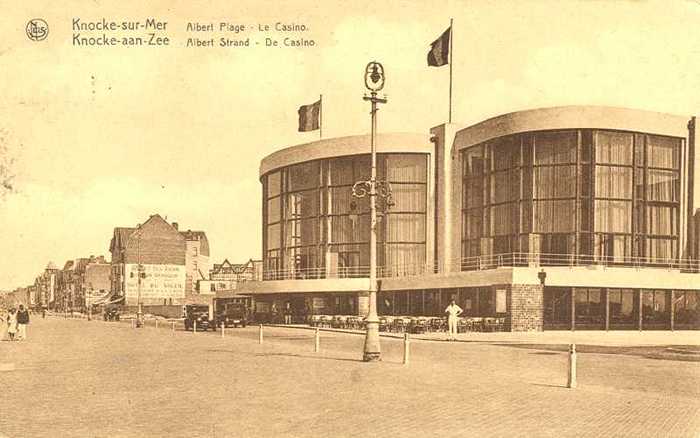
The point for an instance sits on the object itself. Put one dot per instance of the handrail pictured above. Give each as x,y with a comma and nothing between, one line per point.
486,262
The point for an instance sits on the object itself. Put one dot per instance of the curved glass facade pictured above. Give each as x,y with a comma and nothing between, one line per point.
315,228
610,195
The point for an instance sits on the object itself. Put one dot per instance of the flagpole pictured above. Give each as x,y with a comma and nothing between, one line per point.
320,117
451,38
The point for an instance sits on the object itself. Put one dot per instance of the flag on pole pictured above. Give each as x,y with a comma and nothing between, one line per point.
309,117
439,53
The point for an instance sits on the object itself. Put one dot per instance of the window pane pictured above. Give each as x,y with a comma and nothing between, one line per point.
555,182
504,219
555,147
408,197
273,236
660,249
406,168
406,228
273,184
350,229
506,153
343,202
663,151
554,216
614,147
273,210
613,182
341,171
613,216
404,259
473,161
303,176
662,185
661,220
302,204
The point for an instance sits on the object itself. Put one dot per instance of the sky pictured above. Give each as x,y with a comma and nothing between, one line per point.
100,137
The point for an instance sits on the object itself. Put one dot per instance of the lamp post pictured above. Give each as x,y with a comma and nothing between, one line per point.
374,82
140,270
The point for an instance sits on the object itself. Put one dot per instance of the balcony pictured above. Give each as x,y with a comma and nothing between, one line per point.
479,263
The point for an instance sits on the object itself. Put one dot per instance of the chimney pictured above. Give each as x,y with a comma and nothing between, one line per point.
175,226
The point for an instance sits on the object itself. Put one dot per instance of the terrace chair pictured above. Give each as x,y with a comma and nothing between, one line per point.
315,320
389,323
463,325
352,322
475,324
489,324
499,324
417,325
438,325
324,321
399,325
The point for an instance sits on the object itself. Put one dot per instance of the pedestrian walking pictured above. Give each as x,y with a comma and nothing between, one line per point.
11,324
22,322
453,311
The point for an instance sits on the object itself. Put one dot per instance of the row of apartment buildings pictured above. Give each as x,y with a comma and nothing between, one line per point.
153,263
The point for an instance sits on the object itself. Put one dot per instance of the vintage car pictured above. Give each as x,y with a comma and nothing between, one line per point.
232,315
198,313
111,314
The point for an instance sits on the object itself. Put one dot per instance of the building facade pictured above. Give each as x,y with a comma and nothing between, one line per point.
149,263
226,276
558,218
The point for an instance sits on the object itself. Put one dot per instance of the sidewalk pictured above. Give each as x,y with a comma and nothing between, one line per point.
75,378
620,338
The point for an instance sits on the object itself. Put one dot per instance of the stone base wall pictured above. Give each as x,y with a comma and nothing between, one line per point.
525,308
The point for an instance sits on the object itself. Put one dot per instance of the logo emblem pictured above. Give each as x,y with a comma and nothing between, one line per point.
37,29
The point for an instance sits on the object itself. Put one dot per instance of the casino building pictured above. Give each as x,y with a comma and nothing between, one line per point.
559,218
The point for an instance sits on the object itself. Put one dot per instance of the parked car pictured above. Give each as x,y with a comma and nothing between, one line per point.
200,314
232,315
111,314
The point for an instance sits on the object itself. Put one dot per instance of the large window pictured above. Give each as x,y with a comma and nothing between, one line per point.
315,227
608,195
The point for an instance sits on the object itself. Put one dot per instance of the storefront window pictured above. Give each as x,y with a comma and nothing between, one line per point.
623,308
590,310
557,308
655,309
687,310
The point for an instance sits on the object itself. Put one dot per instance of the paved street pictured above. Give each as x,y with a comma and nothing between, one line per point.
76,378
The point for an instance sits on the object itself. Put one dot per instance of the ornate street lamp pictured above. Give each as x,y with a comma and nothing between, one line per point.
140,275
374,82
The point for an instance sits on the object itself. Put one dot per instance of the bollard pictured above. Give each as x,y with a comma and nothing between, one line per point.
260,336
173,322
571,381
222,329
406,343
133,323
156,323
194,327
317,341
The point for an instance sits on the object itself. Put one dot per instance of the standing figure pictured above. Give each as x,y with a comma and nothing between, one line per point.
453,311
287,313
273,313
22,321
12,324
